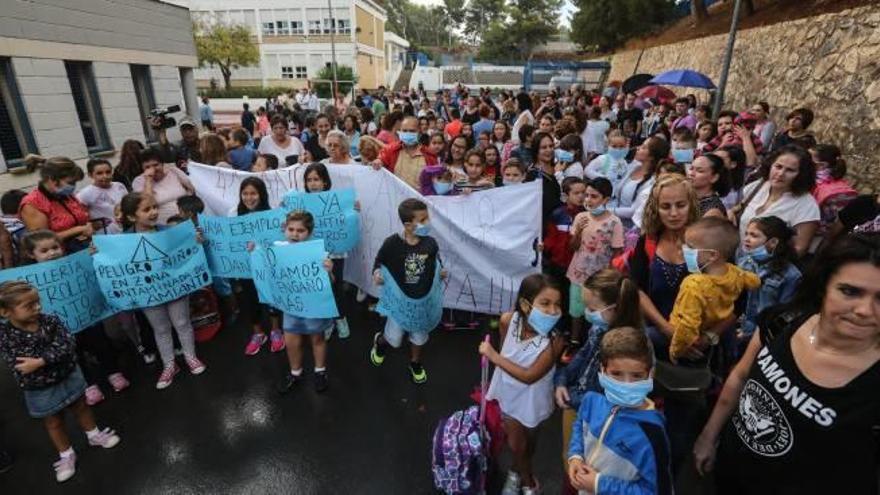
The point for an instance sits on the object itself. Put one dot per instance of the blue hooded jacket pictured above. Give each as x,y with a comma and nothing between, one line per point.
627,446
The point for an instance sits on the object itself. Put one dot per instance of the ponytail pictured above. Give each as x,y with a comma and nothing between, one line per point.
627,312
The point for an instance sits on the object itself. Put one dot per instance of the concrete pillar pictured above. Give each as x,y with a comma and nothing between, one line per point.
190,95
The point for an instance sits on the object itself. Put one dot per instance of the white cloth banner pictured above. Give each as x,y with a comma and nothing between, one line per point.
486,238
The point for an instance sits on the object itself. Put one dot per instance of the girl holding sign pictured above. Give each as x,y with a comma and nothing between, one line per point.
298,227
40,351
41,246
317,179
254,197
140,215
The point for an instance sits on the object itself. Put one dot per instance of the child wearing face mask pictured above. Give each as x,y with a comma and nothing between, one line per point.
612,165
41,246
568,158
767,251
522,382
411,257
611,300
707,296
596,238
618,442
557,244
513,172
683,146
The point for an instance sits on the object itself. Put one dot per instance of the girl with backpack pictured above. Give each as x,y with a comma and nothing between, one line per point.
523,379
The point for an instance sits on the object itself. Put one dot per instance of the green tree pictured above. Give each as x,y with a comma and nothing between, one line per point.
345,76
227,46
479,15
606,24
528,24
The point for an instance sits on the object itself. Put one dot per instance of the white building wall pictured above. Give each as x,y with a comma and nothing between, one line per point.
166,86
121,113
48,102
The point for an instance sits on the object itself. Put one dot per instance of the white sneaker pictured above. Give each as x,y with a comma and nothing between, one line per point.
342,328
361,296
511,485
65,468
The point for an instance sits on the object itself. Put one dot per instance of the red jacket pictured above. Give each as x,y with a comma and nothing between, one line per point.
391,152
558,235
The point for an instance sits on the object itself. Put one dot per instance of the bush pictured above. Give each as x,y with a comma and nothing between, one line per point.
249,91
343,73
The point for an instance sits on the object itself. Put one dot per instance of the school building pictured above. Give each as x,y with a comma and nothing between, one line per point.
294,39
79,77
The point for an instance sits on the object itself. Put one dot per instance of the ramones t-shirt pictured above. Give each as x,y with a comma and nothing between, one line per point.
788,435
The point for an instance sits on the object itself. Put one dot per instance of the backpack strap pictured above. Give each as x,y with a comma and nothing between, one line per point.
650,247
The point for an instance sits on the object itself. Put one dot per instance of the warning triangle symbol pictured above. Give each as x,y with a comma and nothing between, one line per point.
146,251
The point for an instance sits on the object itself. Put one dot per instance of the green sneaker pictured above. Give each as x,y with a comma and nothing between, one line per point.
377,353
418,373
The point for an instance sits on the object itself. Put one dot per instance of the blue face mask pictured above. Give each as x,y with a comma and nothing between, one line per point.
542,322
595,318
509,182
625,394
408,138
564,156
66,190
683,156
618,153
598,210
691,259
422,229
759,254
442,188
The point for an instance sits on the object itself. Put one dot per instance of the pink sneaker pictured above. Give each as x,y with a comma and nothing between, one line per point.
105,438
118,381
196,367
167,376
277,341
65,468
256,342
94,395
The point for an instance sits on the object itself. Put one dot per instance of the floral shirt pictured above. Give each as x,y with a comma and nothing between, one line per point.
599,239
52,342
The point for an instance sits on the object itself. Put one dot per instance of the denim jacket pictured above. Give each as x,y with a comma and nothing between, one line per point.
776,288
581,375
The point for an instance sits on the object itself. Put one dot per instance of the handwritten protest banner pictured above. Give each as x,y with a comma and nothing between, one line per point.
226,240
414,315
144,270
336,221
68,289
486,238
292,278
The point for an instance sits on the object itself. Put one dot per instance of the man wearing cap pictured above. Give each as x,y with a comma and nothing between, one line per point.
183,151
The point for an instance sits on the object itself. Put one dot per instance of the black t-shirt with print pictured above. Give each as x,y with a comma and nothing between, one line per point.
788,435
411,266
634,114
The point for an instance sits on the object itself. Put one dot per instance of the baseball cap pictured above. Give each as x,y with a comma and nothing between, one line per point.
186,121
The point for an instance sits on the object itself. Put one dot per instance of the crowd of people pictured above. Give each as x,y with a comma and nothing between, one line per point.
709,295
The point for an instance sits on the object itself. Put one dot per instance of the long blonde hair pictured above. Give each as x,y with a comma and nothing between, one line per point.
651,223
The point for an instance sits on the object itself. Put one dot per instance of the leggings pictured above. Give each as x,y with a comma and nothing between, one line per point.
338,270
251,310
169,318
93,341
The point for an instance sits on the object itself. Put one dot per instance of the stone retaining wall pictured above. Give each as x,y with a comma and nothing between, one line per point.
829,63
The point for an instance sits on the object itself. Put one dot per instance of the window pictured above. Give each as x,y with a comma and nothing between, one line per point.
301,72
268,29
16,138
88,105
282,27
314,27
296,27
143,92
286,72
328,24
343,26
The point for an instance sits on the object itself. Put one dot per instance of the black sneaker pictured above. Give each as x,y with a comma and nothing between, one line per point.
418,373
287,384
6,461
377,353
321,382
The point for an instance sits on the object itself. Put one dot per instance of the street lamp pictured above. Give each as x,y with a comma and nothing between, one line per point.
333,49
728,55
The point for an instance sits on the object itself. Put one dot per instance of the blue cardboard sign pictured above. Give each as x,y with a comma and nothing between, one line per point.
336,221
292,278
226,240
145,270
68,289
413,315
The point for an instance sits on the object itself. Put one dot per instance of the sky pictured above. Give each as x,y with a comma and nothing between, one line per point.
567,9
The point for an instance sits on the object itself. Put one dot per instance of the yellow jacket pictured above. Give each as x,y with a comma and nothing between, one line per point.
703,301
